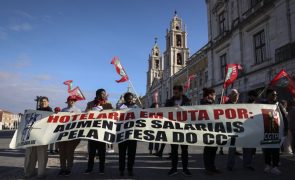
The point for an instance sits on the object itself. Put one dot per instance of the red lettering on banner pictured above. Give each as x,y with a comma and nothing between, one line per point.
91,116
101,116
181,116
143,114
203,115
217,113
130,115
113,115
52,119
122,115
230,114
242,113
75,117
64,119
83,116
158,115
170,116
193,114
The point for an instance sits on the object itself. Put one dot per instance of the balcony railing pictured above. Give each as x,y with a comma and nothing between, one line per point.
285,52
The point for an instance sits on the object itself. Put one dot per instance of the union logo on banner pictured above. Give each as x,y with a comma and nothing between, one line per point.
29,120
271,127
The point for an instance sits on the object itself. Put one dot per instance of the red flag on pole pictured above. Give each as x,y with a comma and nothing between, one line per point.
187,84
76,92
284,80
231,72
69,84
224,99
120,70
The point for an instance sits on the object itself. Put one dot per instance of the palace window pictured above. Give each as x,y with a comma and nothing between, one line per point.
259,47
221,22
222,65
179,59
178,40
157,64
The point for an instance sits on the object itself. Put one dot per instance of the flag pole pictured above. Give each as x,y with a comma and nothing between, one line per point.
222,92
135,92
221,99
260,94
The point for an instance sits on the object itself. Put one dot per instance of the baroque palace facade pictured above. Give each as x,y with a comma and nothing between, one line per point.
258,34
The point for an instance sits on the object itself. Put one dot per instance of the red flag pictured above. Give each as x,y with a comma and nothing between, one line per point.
120,70
231,72
284,80
69,84
187,84
76,92
224,99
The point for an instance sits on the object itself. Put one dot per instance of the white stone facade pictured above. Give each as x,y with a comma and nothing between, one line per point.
173,60
258,34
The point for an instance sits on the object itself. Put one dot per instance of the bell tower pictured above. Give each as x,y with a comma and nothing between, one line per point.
176,53
155,65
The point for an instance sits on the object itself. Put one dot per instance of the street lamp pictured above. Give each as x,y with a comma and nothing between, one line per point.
37,101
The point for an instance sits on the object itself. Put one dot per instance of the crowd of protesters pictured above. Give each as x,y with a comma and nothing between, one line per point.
66,149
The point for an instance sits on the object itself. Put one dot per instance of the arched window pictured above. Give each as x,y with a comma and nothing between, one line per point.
178,40
157,64
179,59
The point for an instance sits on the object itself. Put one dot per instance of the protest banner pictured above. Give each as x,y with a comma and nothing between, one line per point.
240,125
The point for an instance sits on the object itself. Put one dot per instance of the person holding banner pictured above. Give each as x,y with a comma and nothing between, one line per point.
249,152
286,146
37,153
67,148
233,99
271,155
178,99
209,151
128,145
98,104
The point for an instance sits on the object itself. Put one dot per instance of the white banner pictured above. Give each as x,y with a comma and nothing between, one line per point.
240,125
